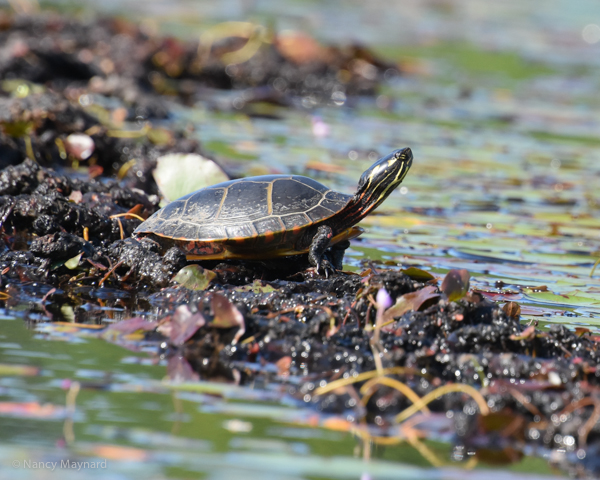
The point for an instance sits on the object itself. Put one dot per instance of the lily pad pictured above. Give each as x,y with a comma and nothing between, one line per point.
179,174
574,298
194,277
524,257
257,286
418,274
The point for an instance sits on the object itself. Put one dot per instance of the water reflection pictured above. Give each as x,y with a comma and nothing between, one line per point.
504,185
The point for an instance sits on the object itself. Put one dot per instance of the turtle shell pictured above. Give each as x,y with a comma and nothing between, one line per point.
247,217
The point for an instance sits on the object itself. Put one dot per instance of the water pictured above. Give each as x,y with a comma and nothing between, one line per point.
499,106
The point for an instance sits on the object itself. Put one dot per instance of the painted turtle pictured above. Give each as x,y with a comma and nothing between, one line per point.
275,215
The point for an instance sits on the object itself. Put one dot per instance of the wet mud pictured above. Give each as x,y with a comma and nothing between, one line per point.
66,240
303,326
116,58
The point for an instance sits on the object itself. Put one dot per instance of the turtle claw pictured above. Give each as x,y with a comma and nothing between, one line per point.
327,268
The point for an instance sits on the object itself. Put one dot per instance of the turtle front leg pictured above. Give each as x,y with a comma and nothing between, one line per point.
336,254
318,247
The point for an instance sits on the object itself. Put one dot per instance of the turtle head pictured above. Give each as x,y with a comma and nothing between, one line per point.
382,178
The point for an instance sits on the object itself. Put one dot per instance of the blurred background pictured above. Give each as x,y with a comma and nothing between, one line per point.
499,103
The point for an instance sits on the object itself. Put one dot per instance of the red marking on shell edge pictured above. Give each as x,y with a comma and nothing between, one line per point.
269,236
296,230
201,248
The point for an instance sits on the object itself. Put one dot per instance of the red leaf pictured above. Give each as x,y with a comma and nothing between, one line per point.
456,284
410,301
132,325
227,316
527,334
512,309
179,370
283,365
183,325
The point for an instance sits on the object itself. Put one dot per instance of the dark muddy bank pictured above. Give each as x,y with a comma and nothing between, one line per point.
66,240
63,244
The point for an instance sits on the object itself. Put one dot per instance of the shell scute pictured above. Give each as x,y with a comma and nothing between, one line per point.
295,220
293,196
244,201
201,207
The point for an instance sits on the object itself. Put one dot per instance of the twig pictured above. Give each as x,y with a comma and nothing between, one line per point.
367,390
117,265
342,382
438,392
